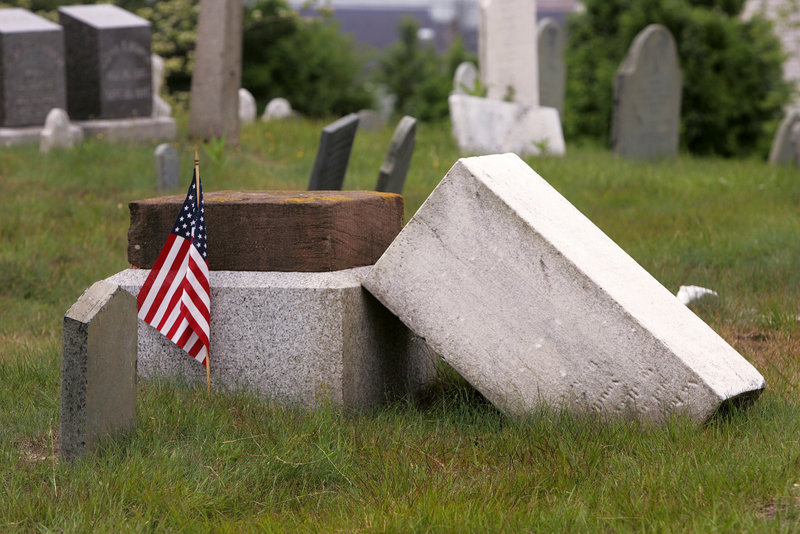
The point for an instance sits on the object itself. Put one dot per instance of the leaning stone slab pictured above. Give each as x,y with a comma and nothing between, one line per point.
31,68
392,175
333,154
485,126
647,97
295,338
533,304
98,368
784,149
276,230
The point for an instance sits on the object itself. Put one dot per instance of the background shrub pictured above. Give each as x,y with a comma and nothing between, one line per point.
419,78
733,90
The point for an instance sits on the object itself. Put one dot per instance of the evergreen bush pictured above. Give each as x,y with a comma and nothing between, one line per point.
733,90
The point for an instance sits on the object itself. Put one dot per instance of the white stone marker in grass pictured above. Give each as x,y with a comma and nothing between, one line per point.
533,304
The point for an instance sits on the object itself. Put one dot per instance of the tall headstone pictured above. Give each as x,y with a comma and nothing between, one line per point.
98,368
552,70
31,68
647,97
214,106
392,175
167,167
534,305
333,154
464,78
109,75
507,50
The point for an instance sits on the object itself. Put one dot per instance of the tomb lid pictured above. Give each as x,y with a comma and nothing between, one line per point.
18,20
104,16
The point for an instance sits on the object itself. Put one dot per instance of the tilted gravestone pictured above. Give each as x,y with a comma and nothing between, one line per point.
784,149
552,70
392,175
98,368
109,75
464,78
507,50
216,79
333,154
647,97
31,68
167,167
534,305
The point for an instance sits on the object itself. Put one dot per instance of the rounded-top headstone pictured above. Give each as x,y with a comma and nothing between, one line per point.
247,106
647,97
277,109
464,79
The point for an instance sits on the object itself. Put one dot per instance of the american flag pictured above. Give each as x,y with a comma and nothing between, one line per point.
175,298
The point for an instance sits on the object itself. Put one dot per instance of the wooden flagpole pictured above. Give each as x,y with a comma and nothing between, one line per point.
208,352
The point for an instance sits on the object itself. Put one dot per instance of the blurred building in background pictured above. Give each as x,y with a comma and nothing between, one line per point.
374,23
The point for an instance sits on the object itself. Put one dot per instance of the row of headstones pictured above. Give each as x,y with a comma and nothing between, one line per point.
647,87
333,156
95,64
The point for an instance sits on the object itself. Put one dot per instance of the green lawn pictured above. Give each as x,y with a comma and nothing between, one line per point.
448,462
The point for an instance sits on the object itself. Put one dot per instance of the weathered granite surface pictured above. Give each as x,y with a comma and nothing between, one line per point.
299,339
533,304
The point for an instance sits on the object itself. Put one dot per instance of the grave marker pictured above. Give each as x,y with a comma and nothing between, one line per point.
534,305
464,78
552,71
214,106
32,78
507,49
333,154
277,109
58,132
109,74
784,149
167,167
647,97
247,107
98,368
392,175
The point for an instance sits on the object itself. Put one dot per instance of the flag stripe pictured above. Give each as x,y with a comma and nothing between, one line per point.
176,296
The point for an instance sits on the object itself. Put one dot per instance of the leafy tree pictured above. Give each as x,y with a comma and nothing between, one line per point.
733,90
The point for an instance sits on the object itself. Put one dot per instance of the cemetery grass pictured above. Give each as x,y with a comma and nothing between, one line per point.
447,461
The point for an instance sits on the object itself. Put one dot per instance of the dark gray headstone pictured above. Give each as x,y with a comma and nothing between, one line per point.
167,167
393,172
109,75
98,368
783,149
647,97
333,154
31,68
552,70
